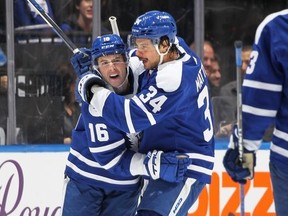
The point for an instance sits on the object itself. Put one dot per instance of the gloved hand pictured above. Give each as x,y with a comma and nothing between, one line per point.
85,83
81,61
237,170
170,167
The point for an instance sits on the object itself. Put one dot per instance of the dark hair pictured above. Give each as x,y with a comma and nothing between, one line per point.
77,2
173,47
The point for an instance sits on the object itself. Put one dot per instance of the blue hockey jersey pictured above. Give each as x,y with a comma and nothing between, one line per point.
265,90
100,153
26,15
172,112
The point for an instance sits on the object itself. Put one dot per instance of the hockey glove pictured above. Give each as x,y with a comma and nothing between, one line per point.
237,170
81,61
85,83
170,167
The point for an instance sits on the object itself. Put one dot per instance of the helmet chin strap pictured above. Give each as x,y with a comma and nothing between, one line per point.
162,54
127,74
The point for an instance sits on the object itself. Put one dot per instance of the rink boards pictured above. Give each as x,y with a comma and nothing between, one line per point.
31,180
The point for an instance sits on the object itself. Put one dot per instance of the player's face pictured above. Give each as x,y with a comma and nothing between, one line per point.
113,69
147,53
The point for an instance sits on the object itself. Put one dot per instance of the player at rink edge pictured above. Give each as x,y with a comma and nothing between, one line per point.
99,180
172,111
265,103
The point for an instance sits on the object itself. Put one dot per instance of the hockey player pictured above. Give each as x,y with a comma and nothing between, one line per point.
265,101
99,179
172,109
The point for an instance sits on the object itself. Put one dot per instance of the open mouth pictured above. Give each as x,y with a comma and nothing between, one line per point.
113,76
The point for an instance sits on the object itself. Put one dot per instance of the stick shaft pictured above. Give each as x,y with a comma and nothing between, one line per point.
114,26
238,53
54,26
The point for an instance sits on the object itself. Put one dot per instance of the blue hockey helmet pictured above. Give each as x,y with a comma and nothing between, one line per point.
107,45
153,25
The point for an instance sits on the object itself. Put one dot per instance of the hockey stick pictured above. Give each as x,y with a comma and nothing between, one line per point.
58,30
113,22
238,51
54,26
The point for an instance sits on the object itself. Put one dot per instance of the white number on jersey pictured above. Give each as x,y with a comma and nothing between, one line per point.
203,96
157,102
100,132
253,59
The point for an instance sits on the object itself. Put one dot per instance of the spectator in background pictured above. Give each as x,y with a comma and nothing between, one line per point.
29,24
208,54
225,106
208,58
3,84
71,106
79,24
228,95
26,15
30,27
230,89
214,76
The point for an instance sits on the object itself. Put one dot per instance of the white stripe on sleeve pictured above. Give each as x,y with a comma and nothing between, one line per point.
107,147
281,134
258,111
262,85
140,105
128,116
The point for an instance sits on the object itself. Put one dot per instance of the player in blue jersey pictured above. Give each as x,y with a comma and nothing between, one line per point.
265,102
99,181
172,109
26,15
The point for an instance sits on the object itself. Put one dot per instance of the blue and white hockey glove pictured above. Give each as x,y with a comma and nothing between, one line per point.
81,61
237,170
170,167
85,83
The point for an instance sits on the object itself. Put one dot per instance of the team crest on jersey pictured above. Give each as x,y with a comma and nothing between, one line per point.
134,140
